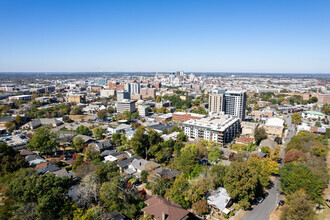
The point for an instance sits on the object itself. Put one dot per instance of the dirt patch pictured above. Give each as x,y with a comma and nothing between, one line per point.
275,215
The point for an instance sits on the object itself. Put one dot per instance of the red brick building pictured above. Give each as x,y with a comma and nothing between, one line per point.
183,116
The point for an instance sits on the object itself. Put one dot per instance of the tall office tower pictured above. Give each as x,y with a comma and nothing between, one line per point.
228,102
235,103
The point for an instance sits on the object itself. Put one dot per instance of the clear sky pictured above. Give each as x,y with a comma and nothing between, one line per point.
165,35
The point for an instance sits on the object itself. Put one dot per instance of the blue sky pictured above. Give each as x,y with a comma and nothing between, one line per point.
164,35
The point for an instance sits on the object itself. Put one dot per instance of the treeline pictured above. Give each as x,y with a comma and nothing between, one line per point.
304,174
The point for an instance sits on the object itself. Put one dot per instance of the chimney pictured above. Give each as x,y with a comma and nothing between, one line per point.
163,216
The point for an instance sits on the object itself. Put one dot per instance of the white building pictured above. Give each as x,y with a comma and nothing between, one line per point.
125,105
220,129
105,93
313,115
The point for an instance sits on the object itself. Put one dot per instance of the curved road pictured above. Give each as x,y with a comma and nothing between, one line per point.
264,209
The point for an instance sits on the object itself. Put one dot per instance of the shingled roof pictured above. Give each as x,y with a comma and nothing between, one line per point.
159,206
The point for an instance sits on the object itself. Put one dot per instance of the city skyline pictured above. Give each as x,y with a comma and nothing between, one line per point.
164,36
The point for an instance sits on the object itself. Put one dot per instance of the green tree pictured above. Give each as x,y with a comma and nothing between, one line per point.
48,191
265,150
77,162
106,171
241,183
318,124
116,139
259,135
218,172
78,144
43,140
10,160
109,195
182,137
296,118
161,185
98,133
175,193
144,176
83,130
102,114
10,126
76,111
214,156
91,153
312,100
18,120
295,177
140,142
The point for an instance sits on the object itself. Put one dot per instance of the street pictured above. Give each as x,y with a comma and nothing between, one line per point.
264,209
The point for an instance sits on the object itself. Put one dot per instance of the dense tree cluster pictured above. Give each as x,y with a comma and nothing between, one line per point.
304,175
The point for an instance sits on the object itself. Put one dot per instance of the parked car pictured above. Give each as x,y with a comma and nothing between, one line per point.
260,199
281,203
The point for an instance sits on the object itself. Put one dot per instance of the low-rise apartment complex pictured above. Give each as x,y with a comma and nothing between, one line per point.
220,129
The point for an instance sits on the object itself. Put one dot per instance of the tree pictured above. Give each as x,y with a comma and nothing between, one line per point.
66,119
161,185
109,195
10,160
298,208
140,143
18,119
296,118
295,177
89,189
175,129
127,115
102,114
265,150
78,144
158,98
218,172
241,183
153,137
144,176
182,137
116,139
175,193
48,191
312,100
83,130
275,153
98,133
79,159
91,153
214,156
201,207
259,135
297,156
106,171
43,140
76,111
318,124
10,126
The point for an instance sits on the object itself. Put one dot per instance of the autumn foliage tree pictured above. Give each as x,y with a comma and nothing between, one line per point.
297,156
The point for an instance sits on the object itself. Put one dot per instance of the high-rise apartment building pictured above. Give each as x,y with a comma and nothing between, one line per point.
122,94
228,102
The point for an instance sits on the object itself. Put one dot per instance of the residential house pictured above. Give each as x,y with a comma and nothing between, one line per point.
162,209
219,200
